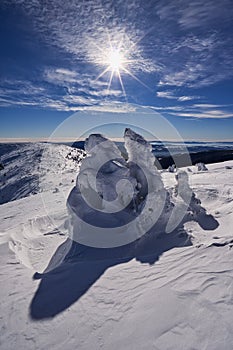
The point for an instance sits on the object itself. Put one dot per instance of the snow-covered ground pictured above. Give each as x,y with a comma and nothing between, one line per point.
36,167
174,293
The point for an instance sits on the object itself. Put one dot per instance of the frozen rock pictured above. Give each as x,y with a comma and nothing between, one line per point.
105,172
141,162
201,167
105,190
171,168
112,192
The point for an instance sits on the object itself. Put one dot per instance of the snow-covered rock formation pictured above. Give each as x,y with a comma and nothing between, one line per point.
113,193
201,167
171,168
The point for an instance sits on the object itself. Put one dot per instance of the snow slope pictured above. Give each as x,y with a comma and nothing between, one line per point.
170,295
31,168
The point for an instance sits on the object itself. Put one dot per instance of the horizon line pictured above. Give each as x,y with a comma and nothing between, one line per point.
116,139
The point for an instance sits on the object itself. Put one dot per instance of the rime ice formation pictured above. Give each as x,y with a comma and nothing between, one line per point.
141,162
201,167
99,176
171,168
113,193
104,167
152,195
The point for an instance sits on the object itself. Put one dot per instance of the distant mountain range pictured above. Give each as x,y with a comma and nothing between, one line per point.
206,152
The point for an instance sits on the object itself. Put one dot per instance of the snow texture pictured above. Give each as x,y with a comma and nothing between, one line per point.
163,292
36,167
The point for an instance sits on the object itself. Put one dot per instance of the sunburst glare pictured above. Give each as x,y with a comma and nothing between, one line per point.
116,61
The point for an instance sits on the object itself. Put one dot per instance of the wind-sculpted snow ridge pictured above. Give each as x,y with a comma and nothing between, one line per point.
116,202
29,168
58,166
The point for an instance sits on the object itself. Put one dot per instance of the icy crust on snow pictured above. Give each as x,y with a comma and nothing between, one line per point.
127,197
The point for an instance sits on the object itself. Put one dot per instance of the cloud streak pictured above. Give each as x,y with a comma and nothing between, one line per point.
170,95
172,44
198,111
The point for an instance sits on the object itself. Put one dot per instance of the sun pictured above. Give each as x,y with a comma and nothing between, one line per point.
115,59
116,62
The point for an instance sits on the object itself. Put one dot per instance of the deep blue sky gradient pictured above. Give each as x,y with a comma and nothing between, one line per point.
52,53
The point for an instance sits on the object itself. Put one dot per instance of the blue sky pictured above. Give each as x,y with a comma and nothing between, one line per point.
177,59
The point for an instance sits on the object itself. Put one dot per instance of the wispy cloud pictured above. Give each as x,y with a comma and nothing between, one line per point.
193,74
77,95
209,106
213,114
196,13
169,94
198,111
87,29
201,54
172,44
60,76
113,107
166,94
74,91
188,98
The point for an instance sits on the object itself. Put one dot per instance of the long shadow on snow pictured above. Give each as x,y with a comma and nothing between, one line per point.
65,280
61,286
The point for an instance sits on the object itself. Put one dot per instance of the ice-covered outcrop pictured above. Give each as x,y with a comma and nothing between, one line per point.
141,162
194,209
171,168
115,201
104,179
112,192
152,195
201,167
